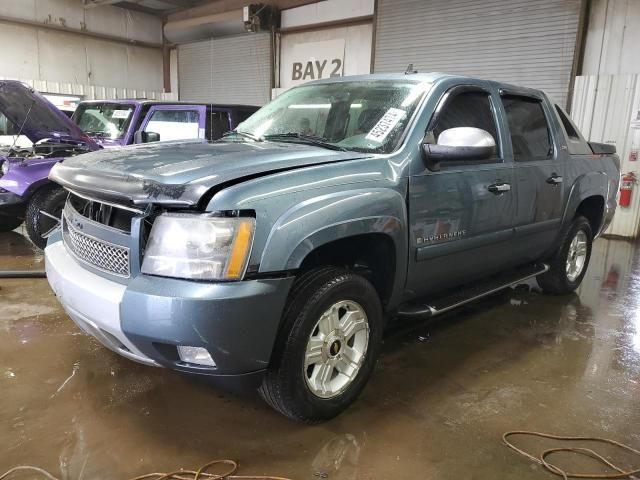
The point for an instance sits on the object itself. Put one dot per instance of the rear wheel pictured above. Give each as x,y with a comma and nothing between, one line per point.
327,346
569,265
8,224
43,210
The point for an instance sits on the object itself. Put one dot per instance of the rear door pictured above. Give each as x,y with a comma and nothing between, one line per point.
175,122
461,225
538,171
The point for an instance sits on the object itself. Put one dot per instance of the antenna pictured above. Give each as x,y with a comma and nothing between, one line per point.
410,70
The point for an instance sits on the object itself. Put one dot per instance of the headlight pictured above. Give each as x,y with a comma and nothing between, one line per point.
185,245
5,167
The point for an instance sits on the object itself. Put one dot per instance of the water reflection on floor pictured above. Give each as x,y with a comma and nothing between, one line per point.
443,392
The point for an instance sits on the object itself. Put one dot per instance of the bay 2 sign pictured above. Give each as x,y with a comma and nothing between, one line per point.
314,60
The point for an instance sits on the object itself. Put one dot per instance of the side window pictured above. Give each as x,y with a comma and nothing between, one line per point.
174,124
528,128
219,124
467,109
568,126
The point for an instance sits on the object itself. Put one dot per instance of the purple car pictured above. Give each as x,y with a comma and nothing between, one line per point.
34,135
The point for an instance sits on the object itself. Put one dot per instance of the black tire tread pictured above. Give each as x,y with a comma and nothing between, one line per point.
554,281
319,281
39,201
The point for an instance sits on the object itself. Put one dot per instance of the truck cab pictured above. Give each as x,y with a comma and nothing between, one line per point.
115,123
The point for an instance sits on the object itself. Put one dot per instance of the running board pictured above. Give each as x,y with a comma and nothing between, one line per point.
469,294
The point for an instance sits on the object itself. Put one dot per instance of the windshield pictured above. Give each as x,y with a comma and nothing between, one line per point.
109,120
367,116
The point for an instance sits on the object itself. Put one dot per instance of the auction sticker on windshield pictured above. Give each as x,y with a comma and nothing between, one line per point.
383,128
121,114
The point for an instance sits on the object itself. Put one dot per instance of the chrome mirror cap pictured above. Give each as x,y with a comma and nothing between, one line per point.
466,137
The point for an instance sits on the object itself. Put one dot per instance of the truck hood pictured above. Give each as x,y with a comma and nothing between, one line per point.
38,118
180,173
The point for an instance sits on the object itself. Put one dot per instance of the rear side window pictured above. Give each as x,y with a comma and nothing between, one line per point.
467,109
528,128
568,127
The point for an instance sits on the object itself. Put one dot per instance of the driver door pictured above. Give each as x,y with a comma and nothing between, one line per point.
461,216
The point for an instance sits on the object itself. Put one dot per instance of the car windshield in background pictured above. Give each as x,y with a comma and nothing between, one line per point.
109,120
366,116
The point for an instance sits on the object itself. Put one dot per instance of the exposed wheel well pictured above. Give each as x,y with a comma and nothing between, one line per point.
592,208
372,255
38,187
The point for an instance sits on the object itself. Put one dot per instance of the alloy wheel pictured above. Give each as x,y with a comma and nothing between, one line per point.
336,349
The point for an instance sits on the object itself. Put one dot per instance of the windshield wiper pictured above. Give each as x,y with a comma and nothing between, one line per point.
303,138
240,133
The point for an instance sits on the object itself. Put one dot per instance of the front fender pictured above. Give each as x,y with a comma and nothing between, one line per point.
323,219
23,178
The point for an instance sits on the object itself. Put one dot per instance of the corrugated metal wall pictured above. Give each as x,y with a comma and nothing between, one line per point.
613,36
525,42
226,70
58,61
603,108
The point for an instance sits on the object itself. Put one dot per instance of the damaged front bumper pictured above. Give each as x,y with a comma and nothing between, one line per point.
146,318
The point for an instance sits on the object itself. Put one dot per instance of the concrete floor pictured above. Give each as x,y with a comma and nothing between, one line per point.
436,407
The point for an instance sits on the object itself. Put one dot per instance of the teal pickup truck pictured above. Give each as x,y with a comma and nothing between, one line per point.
273,257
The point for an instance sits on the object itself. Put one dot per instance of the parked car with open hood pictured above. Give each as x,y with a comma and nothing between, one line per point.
37,135
34,135
275,257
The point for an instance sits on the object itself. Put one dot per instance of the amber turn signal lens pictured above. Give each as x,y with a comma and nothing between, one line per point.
240,251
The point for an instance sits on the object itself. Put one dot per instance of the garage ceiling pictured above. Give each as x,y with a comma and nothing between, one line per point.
166,7
156,7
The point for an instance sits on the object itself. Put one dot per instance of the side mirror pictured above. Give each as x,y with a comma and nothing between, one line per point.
145,137
460,143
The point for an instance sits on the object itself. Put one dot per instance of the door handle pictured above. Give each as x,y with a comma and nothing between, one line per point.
498,188
554,179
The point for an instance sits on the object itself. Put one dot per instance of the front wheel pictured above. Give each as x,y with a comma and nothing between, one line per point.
44,208
569,265
327,346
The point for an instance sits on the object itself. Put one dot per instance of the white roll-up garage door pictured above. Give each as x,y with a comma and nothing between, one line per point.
525,42
226,70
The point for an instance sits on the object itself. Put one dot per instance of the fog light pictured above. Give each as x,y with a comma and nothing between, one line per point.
196,355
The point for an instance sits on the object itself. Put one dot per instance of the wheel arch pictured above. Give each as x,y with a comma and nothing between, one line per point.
370,224
588,197
37,186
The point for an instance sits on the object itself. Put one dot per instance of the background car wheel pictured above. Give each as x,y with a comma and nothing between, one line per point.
327,346
569,264
50,200
8,224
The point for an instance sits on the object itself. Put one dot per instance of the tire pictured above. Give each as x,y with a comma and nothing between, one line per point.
561,279
7,224
289,384
51,200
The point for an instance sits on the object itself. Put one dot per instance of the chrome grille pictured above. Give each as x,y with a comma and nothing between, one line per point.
102,255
